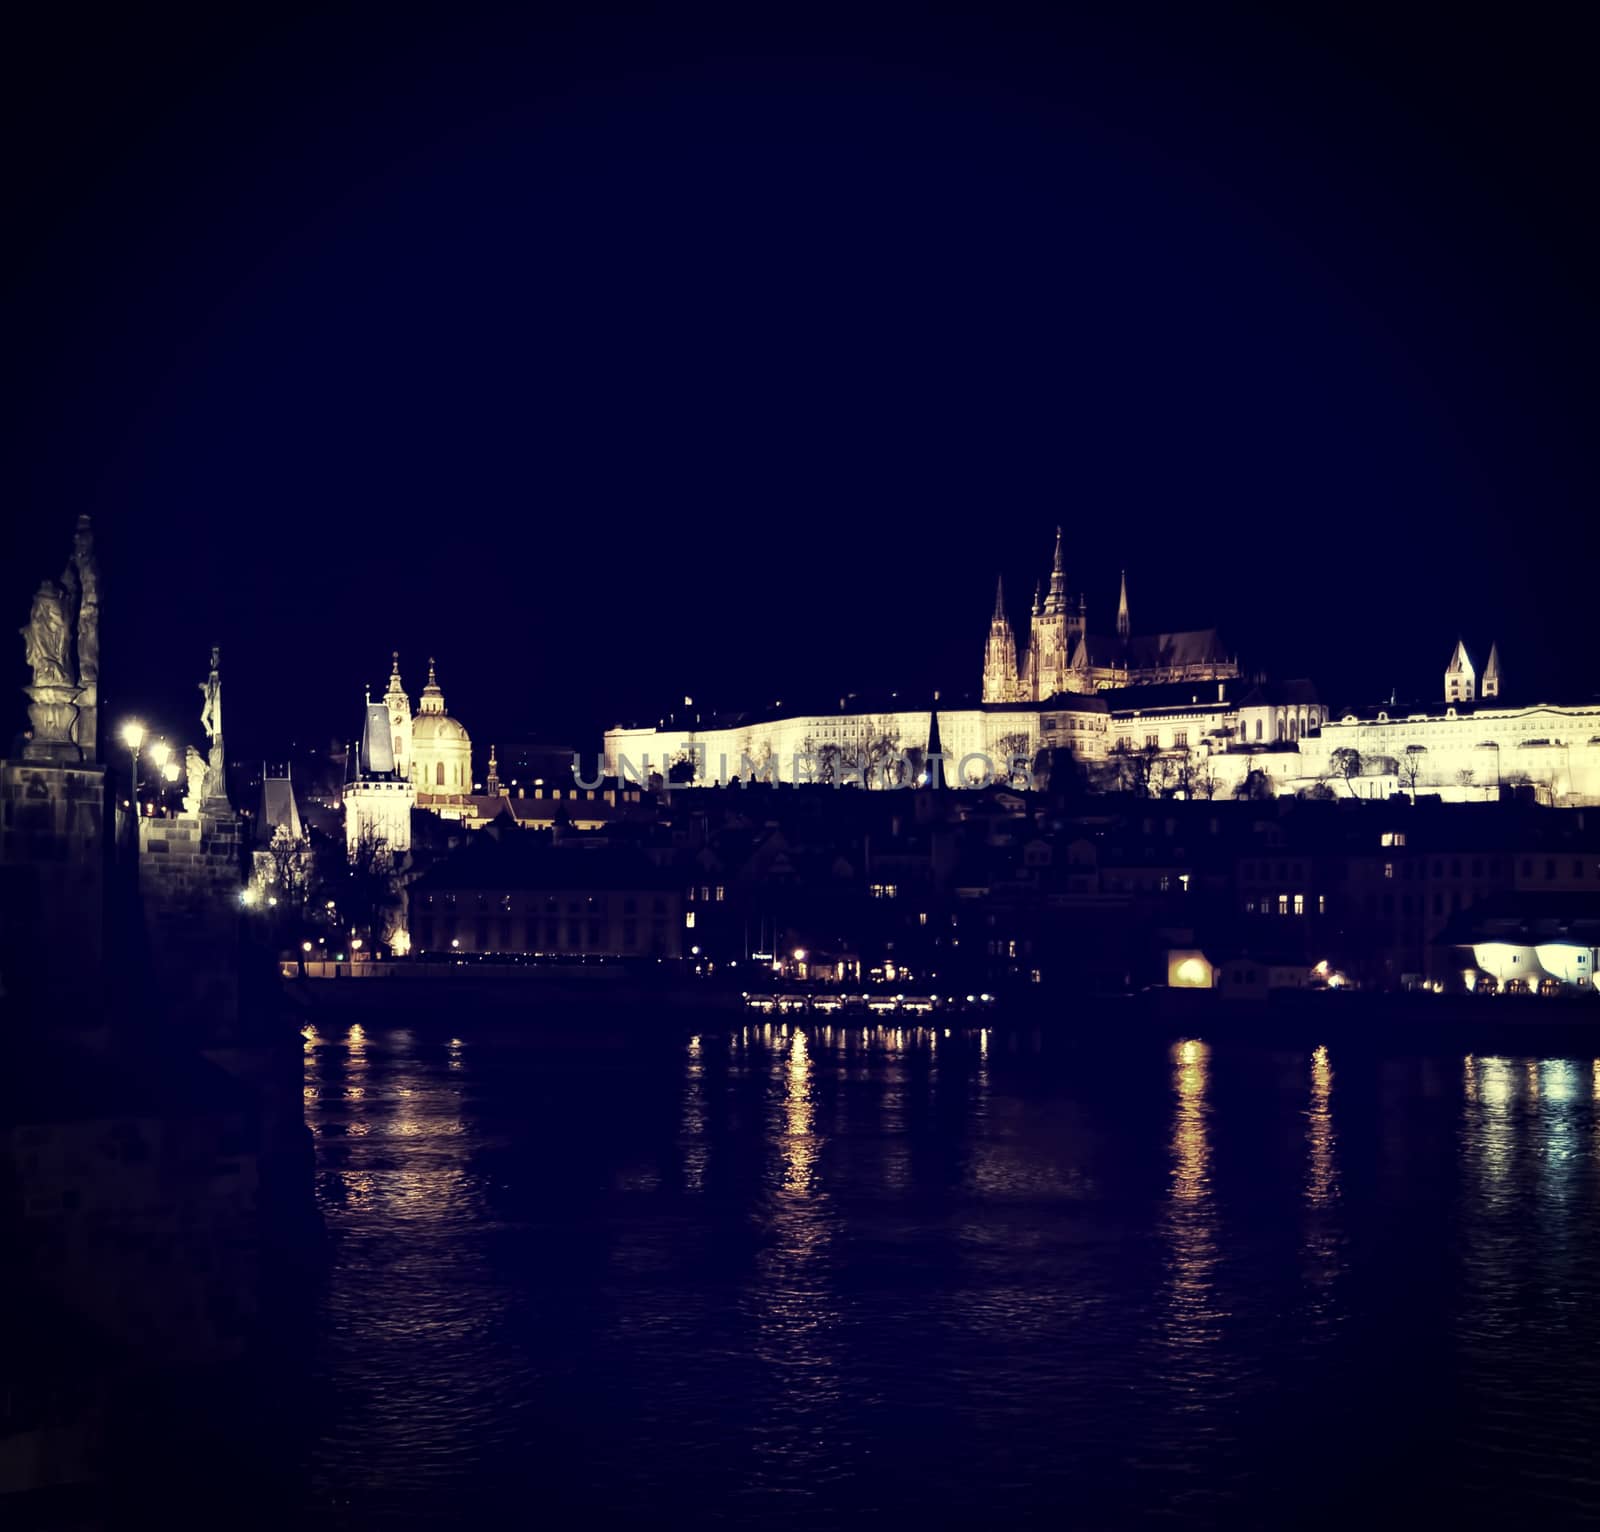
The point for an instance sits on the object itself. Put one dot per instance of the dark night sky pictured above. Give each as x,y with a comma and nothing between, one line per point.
618,357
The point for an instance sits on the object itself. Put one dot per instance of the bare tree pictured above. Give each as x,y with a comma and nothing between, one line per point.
290,859
1345,763
1410,767
1013,747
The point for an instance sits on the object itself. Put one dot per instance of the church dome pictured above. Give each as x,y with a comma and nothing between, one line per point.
441,748
436,728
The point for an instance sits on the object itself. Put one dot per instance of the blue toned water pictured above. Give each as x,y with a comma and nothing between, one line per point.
817,1277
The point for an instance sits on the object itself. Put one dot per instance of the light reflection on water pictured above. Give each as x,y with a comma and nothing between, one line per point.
792,1273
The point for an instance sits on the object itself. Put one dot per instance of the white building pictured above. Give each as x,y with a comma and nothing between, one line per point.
864,745
378,799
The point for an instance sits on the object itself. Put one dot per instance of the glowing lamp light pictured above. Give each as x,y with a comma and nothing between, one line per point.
161,753
250,898
355,944
455,941
400,944
170,771
799,954
305,946
133,734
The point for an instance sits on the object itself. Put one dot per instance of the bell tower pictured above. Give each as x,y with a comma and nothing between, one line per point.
399,706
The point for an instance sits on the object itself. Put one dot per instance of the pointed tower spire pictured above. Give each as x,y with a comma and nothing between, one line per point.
1460,679
491,783
1038,598
934,755
399,705
1000,653
1124,623
432,700
1056,602
1491,673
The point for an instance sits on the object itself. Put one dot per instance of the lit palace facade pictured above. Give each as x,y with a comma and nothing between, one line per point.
1178,695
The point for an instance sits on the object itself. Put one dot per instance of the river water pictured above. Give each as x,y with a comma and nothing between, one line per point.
826,1276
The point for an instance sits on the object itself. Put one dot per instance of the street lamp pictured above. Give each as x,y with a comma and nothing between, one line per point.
161,757
133,737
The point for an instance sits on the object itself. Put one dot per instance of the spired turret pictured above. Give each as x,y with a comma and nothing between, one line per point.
1491,673
1460,679
1000,683
399,706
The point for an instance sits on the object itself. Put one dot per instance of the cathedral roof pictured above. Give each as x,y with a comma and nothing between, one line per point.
1151,651
375,757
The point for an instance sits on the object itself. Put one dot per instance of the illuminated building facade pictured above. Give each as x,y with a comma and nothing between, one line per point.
430,748
378,797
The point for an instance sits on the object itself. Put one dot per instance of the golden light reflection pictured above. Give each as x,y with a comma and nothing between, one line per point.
1322,1173
792,1296
1322,1236
800,1120
1192,1311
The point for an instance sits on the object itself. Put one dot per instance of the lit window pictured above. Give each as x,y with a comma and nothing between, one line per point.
1388,869
688,921
1322,904
1299,904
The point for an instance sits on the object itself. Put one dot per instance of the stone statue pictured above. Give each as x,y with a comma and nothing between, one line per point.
81,583
215,791
88,582
52,708
211,688
194,770
45,637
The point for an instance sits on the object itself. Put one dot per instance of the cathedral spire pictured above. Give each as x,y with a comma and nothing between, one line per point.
1124,624
1057,600
1038,598
1000,598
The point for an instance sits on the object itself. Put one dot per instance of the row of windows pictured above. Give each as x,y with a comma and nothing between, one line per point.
1285,904
1526,867
709,893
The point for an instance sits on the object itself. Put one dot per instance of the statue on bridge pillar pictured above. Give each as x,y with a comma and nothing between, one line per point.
216,786
81,581
61,644
51,710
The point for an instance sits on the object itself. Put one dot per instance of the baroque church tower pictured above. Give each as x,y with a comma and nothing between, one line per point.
399,706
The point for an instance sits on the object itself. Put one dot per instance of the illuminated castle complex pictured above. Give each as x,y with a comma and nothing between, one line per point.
1063,656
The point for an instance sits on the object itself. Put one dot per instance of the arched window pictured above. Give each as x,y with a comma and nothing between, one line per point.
438,775
1258,730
